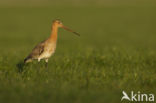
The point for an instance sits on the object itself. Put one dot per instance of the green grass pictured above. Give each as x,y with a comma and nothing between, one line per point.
116,51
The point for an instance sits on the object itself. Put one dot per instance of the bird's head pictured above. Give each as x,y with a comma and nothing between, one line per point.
59,24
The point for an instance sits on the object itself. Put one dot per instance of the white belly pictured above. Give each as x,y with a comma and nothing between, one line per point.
48,51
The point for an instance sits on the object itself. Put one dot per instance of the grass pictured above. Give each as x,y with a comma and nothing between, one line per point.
116,51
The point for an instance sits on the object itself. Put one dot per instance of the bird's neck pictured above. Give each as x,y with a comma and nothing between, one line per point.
54,32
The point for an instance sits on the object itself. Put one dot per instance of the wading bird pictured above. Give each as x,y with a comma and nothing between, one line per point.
46,48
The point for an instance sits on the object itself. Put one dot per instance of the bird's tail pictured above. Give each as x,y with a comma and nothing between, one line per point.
27,60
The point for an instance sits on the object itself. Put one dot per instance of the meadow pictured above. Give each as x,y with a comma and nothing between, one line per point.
116,51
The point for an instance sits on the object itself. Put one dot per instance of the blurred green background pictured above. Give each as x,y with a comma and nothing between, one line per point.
116,50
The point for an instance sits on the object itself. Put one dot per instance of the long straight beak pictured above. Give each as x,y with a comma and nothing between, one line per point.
70,30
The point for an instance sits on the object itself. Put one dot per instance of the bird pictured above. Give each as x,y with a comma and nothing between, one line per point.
45,49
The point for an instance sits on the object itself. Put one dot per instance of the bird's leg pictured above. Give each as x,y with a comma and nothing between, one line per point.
38,65
46,63
39,62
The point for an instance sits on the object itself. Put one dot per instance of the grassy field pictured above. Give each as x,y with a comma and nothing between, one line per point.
116,51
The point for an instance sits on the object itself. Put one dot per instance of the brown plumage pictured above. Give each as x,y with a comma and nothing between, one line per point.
46,48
